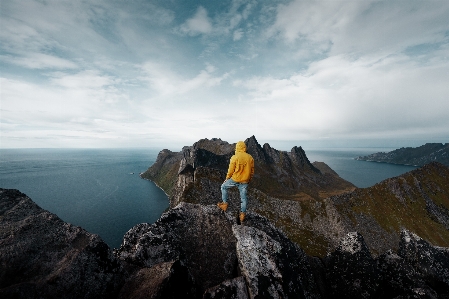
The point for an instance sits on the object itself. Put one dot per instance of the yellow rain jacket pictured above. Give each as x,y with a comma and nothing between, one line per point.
241,167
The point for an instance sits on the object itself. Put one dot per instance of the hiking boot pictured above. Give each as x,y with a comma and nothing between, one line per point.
242,216
223,205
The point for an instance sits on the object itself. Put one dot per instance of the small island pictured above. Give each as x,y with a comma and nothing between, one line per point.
417,156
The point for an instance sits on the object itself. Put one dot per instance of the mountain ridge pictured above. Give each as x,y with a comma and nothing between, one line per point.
278,173
319,220
419,156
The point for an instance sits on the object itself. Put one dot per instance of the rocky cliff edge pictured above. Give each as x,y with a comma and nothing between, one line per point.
198,251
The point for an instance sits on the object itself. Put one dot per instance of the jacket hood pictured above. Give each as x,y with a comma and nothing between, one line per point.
240,146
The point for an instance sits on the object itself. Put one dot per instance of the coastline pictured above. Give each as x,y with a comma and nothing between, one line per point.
392,163
140,175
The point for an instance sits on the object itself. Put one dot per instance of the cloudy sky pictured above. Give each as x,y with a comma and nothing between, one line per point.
153,73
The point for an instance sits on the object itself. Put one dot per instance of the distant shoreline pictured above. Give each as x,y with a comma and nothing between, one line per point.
154,183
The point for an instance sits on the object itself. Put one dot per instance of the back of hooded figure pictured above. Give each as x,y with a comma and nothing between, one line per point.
240,173
241,166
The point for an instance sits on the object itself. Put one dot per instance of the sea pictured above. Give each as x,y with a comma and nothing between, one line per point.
101,190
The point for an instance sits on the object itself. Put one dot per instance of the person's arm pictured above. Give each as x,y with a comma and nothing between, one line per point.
230,169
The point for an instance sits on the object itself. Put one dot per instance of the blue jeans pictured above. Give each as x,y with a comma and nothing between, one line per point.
242,188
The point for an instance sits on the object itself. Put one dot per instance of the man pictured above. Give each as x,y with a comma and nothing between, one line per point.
240,173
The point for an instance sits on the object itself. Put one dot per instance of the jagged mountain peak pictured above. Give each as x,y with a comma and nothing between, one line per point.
278,173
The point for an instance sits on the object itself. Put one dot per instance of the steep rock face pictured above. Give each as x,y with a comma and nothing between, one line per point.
43,257
266,264
272,265
290,175
419,156
164,172
215,249
195,235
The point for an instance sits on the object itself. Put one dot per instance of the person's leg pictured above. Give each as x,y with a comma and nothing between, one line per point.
224,189
224,194
243,200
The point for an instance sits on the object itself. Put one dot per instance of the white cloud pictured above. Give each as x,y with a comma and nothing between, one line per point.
198,24
303,69
90,79
168,83
39,61
238,34
338,97
362,27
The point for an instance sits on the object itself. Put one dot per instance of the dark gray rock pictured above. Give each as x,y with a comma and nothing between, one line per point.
197,251
430,263
319,274
215,249
351,272
199,236
169,280
229,289
260,243
41,256
400,279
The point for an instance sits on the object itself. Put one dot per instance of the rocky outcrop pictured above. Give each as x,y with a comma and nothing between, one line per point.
417,270
419,156
263,263
193,234
430,263
351,271
41,256
217,251
273,266
197,251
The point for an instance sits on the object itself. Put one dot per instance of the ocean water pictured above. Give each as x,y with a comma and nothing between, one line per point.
101,191
361,173
97,189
